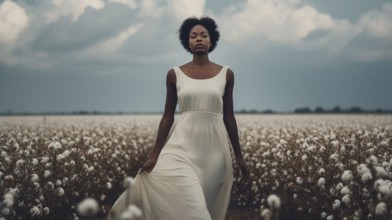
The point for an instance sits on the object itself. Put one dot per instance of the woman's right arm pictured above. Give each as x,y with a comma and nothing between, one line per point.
166,121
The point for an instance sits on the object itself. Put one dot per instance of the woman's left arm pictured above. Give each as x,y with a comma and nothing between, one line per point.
231,124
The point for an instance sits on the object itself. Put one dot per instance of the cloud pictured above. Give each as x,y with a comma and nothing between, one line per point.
184,8
130,3
92,26
71,8
13,21
293,24
130,32
376,23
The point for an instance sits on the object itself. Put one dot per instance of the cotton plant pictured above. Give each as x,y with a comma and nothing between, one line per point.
335,167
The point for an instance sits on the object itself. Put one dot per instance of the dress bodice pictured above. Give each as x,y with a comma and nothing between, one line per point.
205,95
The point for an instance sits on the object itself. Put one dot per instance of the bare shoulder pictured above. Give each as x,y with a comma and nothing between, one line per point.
171,76
230,75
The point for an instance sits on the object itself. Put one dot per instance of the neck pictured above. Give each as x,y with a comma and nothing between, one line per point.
200,60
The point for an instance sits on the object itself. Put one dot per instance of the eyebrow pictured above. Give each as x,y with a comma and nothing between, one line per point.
203,32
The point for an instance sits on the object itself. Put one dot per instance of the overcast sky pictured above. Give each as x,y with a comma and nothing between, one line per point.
113,55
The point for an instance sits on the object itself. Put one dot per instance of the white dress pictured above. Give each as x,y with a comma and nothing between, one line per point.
193,175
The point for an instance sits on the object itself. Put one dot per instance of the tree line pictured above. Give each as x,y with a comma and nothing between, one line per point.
300,110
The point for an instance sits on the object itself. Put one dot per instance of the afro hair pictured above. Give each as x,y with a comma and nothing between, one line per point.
206,22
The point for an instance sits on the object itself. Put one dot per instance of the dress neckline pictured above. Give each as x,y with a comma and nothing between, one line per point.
205,78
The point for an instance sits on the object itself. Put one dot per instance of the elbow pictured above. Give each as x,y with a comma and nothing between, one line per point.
228,118
167,119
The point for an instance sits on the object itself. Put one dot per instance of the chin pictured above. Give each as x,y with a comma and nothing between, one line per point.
200,52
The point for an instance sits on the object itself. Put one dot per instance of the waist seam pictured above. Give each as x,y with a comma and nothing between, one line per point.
202,112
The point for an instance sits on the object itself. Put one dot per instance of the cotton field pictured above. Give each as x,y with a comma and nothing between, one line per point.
302,166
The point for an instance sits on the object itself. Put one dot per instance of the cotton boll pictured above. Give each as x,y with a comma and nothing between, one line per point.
34,178
88,207
47,173
5,211
321,182
345,191
330,217
266,214
129,182
334,158
54,145
108,185
380,172
378,183
299,180
60,157
20,162
384,192
336,204
273,201
381,208
34,161
372,160
132,212
46,210
8,200
44,159
346,200
60,192
362,169
66,153
347,176
35,211
366,177
321,171
323,215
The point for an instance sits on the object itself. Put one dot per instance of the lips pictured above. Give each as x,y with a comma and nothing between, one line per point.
199,46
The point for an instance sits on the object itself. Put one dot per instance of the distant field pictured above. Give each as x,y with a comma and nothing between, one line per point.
318,166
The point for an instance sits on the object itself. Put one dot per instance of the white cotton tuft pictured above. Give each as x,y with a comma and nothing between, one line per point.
46,210
346,200
55,145
381,208
129,182
60,192
323,215
273,201
372,160
88,207
34,161
384,192
34,178
380,172
35,211
336,204
46,173
8,200
366,177
345,191
362,169
131,213
266,214
347,176
321,182
299,180
108,185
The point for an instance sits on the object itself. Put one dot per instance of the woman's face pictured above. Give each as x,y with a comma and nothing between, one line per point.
199,40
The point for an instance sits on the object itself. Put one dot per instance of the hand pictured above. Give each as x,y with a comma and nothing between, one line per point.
244,170
148,165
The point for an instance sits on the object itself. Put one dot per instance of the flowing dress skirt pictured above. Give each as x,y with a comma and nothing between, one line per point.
193,175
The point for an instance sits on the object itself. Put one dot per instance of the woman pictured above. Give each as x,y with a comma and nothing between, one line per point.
189,172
